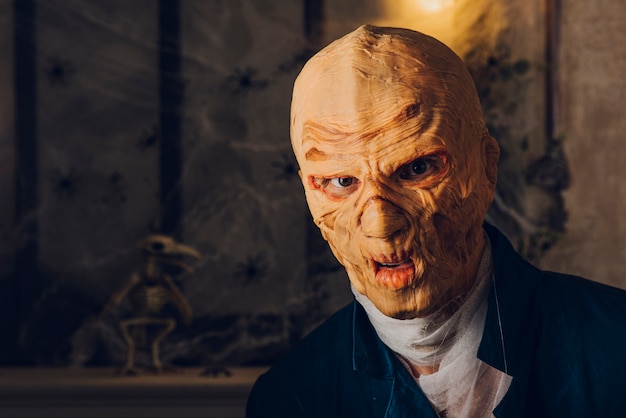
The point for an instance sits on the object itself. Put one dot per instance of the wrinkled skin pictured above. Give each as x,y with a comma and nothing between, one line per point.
397,165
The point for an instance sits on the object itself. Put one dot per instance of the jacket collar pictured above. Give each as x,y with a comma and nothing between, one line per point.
511,318
369,354
387,380
510,309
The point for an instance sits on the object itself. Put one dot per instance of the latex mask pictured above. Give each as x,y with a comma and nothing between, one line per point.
397,165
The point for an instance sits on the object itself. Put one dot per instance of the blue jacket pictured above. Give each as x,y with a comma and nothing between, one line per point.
562,339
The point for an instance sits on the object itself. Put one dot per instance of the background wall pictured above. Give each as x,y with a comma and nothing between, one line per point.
150,120
99,177
592,120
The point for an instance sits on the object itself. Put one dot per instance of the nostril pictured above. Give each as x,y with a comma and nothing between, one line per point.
382,219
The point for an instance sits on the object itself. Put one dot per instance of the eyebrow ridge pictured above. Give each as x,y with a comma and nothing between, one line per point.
324,134
315,154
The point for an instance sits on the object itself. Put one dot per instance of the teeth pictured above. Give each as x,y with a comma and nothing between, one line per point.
392,264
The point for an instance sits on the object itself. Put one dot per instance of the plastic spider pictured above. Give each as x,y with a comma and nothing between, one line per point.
148,138
65,185
287,168
243,81
58,70
253,269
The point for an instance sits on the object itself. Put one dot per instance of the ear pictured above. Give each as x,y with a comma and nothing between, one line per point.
491,154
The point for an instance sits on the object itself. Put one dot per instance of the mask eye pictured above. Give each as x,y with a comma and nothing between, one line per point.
342,182
418,167
335,188
424,171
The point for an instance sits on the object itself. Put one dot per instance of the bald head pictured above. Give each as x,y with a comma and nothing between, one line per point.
375,76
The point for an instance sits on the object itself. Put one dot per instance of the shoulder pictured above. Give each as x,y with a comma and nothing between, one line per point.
324,346
579,355
580,317
583,307
566,334
569,292
307,372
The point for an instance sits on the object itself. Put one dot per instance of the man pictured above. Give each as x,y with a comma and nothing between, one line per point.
399,170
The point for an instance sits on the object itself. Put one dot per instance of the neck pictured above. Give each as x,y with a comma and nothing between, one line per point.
417,370
424,341
468,275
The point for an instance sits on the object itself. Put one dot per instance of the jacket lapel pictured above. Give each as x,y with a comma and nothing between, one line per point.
408,400
510,325
387,385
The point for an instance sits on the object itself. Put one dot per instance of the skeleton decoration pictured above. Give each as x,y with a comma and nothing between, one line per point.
150,292
398,168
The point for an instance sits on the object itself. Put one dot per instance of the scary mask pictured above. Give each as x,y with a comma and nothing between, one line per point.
397,165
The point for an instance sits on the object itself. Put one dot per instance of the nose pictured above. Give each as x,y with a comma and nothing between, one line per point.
382,219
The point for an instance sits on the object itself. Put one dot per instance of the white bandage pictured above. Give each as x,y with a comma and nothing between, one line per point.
451,343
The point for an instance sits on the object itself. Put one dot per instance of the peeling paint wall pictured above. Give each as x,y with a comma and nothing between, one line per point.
99,181
592,119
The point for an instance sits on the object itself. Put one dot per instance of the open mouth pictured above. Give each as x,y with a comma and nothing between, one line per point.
396,275
391,265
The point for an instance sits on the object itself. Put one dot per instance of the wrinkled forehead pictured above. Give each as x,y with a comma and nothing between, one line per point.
376,77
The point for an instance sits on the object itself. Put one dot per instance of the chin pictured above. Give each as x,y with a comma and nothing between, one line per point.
407,303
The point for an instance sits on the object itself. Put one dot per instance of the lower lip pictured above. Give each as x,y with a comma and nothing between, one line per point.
396,277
